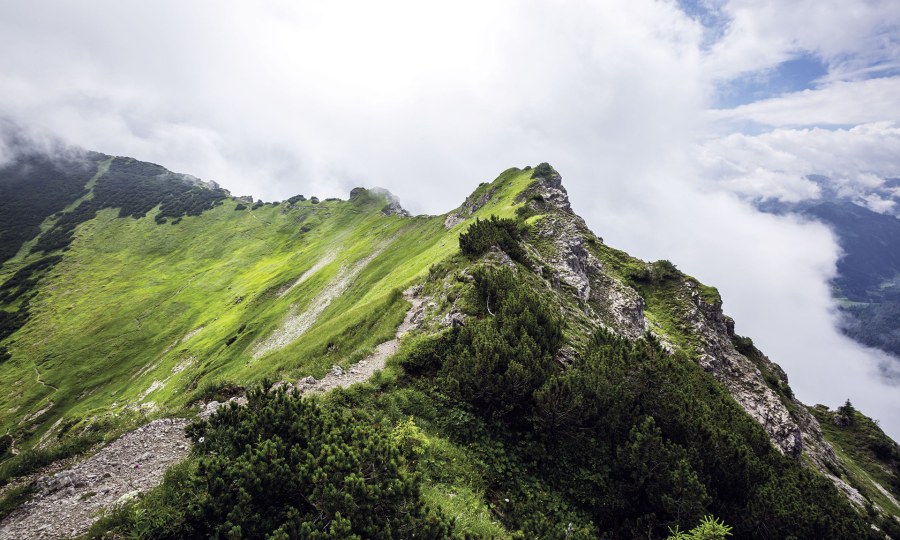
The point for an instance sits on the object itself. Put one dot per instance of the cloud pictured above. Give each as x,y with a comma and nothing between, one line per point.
839,103
760,34
299,97
775,164
279,98
16,141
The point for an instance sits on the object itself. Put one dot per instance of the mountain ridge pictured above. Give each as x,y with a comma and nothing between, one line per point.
190,297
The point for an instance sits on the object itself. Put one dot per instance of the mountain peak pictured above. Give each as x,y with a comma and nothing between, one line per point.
548,185
392,206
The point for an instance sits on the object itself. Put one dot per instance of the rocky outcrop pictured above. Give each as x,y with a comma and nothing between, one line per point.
474,202
564,237
548,189
790,426
619,306
562,240
718,356
393,207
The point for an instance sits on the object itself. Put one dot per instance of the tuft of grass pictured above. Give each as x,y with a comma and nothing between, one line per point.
14,498
34,459
709,294
471,516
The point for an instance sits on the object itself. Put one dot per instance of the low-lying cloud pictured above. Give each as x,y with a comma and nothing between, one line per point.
776,164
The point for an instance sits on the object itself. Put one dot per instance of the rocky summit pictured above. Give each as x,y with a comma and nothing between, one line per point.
183,363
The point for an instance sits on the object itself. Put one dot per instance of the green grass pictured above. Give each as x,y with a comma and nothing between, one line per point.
471,516
666,307
14,498
863,467
708,294
139,317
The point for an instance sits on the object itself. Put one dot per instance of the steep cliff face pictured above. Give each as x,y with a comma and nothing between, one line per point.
562,241
574,259
758,384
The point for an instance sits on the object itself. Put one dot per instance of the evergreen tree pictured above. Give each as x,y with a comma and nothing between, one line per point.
287,467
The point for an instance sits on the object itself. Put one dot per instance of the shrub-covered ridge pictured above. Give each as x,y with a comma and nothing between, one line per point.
557,388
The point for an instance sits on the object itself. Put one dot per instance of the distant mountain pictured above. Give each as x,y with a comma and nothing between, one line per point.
550,386
868,280
871,244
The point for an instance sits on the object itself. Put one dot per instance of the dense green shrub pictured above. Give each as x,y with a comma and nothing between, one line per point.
543,170
628,439
744,345
495,362
493,232
664,270
846,413
709,528
287,467
661,443
33,187
525,211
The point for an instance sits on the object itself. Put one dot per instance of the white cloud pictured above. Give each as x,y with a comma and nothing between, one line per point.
764,33
300,97
765,184
839,103
16,141
775,164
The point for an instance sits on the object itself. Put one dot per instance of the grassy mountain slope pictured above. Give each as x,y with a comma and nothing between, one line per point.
558,383
34,188
183,306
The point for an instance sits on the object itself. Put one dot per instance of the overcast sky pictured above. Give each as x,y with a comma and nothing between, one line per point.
661,116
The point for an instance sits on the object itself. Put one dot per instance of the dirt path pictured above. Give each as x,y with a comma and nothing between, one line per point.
37,377
364,369
68,502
